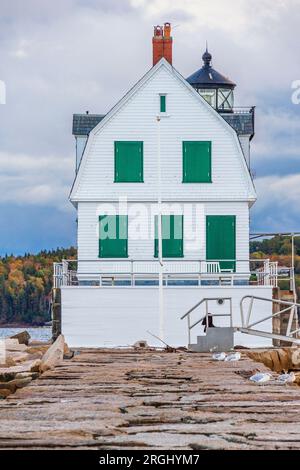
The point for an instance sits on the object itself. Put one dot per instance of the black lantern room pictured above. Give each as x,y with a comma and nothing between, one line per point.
216,89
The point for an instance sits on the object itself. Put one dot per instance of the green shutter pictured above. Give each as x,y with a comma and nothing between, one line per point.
113,236
128,162
196,162
172,236
221,239
163,103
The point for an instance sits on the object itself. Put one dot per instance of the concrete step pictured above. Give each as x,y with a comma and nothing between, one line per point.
215,340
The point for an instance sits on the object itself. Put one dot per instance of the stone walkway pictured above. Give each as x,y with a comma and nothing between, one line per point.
121,399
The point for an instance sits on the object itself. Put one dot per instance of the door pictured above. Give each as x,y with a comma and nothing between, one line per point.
221,240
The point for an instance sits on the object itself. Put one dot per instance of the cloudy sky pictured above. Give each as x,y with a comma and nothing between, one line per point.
58,58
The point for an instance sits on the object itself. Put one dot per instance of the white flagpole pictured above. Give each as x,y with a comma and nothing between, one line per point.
159,226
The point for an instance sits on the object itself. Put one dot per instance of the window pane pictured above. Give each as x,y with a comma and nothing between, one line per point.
225,98
209,96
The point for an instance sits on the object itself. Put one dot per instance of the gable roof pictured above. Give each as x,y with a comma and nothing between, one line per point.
122,102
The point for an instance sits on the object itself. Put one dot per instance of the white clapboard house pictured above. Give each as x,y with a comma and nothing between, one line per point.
177,147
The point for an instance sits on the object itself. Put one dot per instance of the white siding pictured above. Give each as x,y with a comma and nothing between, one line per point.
143,248
94,317
189,118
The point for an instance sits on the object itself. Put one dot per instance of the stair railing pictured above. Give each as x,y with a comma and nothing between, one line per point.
207,314
291,306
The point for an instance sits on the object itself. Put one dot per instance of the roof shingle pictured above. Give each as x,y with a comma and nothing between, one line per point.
84,123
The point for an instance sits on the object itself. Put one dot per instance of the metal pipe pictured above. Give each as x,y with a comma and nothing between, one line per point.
201,302
268,317
249,311
189,329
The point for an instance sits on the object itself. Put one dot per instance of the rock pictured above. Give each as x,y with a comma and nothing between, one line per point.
8,363
38,350
4,393
295,359
36,342
27,366
20,383
22,337
283,359
68,354
8,386
35,365
26,375
297,381
12,385
17,356
276,361
7,376
54,355
141,344
14,345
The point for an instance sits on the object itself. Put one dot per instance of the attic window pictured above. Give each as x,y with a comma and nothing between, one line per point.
163,103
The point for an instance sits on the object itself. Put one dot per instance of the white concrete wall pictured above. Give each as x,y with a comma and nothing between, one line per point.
189,118
119,316
141,223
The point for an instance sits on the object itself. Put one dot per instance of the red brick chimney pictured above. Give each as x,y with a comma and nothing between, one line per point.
162,43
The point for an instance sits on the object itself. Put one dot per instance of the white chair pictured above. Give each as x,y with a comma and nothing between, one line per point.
212,267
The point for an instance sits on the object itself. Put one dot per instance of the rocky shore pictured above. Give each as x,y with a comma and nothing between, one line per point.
22,360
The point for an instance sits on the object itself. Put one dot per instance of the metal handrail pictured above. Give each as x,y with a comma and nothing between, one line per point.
210,315
201,302
240,110
292,306
206,300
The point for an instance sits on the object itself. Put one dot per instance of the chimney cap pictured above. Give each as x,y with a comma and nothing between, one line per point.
167,29
158,31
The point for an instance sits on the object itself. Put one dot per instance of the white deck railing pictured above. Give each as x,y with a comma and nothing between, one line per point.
108,272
